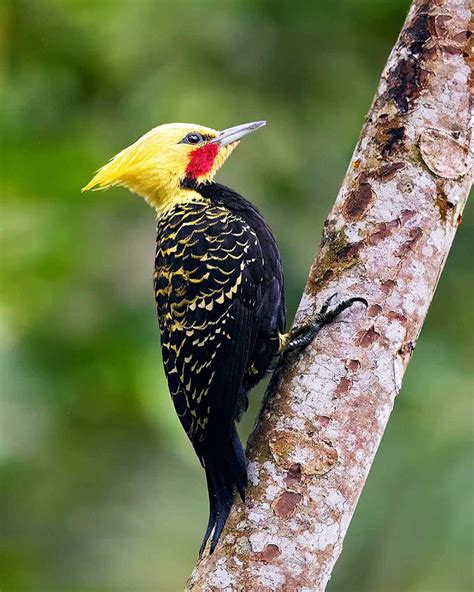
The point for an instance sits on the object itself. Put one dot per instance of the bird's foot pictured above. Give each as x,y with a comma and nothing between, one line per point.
302,335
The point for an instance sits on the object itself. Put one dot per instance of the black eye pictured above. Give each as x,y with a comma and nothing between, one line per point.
193,138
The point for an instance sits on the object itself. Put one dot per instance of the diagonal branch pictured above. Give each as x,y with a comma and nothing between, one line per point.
387,239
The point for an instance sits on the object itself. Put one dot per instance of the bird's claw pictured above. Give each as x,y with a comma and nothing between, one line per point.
302,335
325,315
326,304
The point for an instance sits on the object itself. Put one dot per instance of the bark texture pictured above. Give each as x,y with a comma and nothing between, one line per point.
386,239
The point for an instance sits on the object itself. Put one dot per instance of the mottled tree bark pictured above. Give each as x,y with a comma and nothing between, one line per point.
387,239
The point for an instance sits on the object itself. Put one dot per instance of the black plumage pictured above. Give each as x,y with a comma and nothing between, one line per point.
220,300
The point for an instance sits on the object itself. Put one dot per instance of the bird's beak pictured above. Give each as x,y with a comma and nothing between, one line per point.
232,134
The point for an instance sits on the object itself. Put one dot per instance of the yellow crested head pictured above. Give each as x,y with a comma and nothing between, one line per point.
159,163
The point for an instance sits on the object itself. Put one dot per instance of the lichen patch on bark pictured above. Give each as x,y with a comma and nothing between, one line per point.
315,457
444,154
268,554
337,254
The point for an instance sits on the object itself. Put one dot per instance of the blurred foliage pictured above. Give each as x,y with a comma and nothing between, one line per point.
100,490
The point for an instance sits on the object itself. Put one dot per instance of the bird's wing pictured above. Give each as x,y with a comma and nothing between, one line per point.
208,285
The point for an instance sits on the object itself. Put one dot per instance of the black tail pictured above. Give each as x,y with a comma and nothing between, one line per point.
226,471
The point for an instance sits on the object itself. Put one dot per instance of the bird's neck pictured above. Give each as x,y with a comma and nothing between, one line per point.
164,196
182,195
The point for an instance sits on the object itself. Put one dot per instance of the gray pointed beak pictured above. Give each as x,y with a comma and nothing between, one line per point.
232,134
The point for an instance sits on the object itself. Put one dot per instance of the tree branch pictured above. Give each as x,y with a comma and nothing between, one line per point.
386,239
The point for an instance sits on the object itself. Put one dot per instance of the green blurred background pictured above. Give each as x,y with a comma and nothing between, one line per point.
100,490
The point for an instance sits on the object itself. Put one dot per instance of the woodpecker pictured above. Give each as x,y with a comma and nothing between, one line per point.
219,292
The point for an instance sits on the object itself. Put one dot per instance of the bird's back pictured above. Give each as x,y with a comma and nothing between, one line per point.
219,293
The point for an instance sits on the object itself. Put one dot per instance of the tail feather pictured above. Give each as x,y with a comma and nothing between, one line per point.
226,472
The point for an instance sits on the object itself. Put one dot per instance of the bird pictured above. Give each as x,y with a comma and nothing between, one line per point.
219,292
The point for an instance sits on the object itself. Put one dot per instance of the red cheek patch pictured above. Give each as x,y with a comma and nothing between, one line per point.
201,160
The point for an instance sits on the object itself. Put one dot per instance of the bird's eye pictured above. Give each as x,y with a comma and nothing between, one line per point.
193,138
